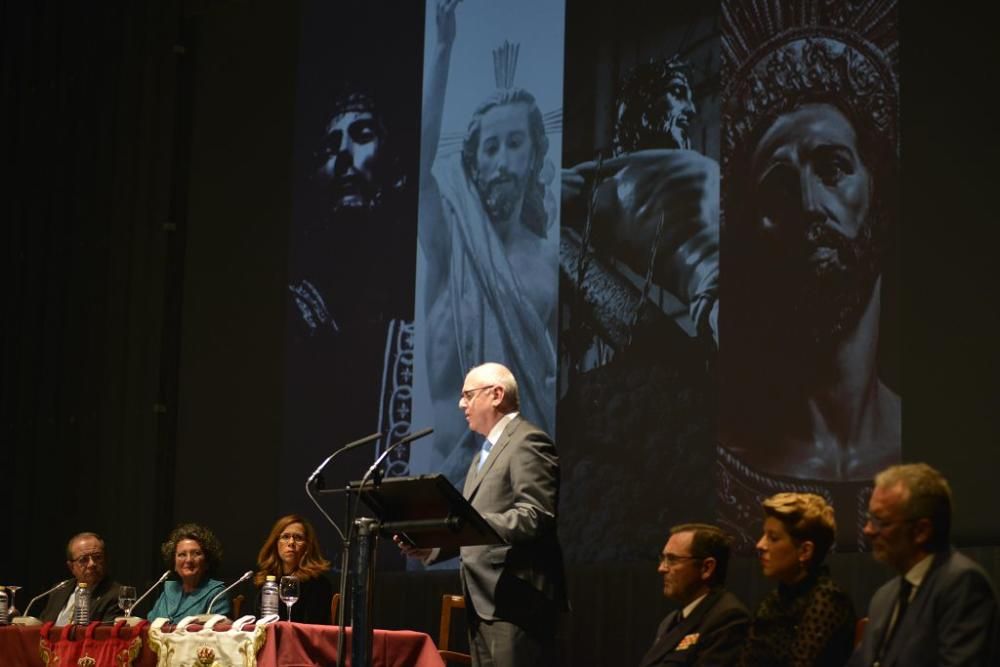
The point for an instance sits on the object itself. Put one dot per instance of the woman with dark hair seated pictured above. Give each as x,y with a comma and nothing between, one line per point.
291,549
194,553
807,619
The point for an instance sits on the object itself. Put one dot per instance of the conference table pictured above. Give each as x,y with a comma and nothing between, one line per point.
285,643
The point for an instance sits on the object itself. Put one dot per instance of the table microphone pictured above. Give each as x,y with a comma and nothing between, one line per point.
149,590
246,575
29,620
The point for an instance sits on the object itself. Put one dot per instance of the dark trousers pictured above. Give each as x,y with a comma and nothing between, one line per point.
504,644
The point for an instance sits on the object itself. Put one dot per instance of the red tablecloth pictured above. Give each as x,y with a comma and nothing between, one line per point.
287,644
302,644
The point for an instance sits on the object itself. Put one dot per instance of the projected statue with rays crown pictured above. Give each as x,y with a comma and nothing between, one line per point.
782,257
810,159
486,233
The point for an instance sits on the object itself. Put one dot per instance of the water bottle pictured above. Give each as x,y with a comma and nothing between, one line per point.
81,614
269,596
4,608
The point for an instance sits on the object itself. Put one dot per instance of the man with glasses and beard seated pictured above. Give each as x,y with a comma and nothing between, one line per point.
941,607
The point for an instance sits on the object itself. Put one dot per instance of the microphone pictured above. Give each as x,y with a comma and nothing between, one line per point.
378,461
149,590
246,575
351,445
28,619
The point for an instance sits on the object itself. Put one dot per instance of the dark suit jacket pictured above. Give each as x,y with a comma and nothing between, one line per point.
952,620
103,602
721,623
517,492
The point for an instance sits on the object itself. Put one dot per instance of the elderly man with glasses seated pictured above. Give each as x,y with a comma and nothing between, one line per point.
87,561
941,607
711,625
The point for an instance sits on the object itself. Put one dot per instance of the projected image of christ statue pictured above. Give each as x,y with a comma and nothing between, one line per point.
487,276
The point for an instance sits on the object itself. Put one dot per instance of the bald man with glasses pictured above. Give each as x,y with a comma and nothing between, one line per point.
87,562
514,592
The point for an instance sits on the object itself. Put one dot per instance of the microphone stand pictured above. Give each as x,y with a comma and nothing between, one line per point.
24,619
163,577
246,575
346,555
345,564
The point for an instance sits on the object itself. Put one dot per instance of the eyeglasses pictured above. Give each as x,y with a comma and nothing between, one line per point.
96,558
880,524
670,560
292,537
469,394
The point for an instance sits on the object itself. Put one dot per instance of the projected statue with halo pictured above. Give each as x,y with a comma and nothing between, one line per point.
487,217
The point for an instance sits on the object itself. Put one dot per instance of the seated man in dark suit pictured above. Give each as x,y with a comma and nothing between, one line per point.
711,626
87,561
942,609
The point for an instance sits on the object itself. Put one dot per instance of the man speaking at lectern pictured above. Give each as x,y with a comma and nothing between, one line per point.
514,592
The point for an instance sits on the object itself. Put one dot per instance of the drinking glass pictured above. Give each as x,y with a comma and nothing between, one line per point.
126,599
12,610
289,593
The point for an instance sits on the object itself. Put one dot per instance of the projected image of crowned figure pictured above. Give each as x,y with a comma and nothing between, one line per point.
488,228
809,382
352,251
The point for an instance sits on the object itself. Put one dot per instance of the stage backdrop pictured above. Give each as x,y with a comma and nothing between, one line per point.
675,224
150,308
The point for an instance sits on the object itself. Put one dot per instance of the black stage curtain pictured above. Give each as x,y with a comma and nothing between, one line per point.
93,227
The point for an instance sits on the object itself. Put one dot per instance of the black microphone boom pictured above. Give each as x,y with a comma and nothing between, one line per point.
407,439
351,445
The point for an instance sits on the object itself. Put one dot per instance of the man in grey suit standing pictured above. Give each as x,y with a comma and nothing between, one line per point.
516,591
942,609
